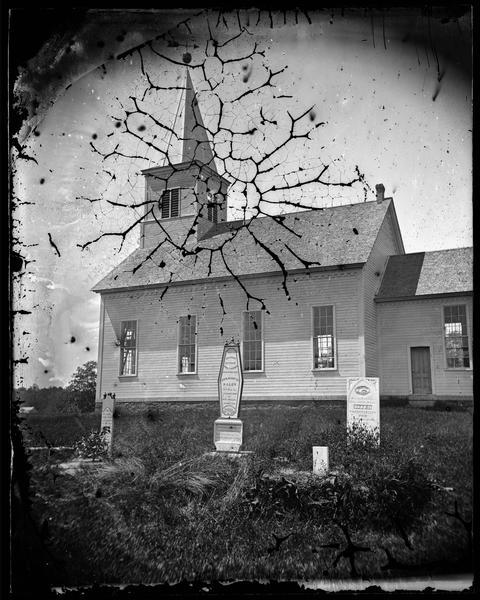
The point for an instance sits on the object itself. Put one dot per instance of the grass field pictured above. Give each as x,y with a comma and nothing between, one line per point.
163,511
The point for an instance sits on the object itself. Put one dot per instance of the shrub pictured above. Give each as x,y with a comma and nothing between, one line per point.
165,513
375,488
93,445
360,437
58,430
127,473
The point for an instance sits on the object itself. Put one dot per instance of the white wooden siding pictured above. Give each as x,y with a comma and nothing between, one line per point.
287,337
410,323
176,228
373,270
155,184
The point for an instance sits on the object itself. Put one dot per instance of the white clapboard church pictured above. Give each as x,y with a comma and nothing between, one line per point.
343,300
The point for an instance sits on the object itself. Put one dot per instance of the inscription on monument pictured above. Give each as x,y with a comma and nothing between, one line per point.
230,382
363,403
228,429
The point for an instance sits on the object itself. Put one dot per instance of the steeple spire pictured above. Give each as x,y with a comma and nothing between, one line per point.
196,145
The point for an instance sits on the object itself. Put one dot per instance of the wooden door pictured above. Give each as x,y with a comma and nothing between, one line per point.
421,373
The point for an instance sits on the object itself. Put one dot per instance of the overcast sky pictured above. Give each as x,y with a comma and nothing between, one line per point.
394,94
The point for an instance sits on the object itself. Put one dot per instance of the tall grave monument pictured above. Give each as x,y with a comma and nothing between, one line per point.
228,429
106,426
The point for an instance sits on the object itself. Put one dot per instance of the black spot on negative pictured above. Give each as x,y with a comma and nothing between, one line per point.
355,231
73,339
16,262
42,180
142,128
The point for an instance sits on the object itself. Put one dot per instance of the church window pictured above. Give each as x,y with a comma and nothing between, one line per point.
456,336
323,338
170,203
128,348
187,344
252,344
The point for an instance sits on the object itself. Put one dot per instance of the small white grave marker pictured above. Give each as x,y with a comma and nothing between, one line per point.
363,403
320,460
108,406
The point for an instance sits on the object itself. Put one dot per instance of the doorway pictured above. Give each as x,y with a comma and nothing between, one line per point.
421,371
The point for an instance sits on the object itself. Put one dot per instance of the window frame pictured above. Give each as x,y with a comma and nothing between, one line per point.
312,339
187,373
469,337
160,204
128,375
262,325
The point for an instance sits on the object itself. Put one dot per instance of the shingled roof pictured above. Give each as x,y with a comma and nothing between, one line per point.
427,273
330,237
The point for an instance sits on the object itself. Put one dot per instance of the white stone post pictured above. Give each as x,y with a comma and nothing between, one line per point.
320,460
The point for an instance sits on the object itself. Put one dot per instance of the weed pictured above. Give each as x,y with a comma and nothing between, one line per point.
92,445
164,511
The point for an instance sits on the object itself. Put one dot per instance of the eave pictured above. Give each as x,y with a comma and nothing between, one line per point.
425,296
290,272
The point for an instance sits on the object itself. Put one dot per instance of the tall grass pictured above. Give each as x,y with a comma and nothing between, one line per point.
164,510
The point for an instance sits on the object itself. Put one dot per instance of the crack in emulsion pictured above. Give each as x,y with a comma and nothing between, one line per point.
267,163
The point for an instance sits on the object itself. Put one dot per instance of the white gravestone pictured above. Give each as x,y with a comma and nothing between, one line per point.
320,460
228,429
363,403
108,406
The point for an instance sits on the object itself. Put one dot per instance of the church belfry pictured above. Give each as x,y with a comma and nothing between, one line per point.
184,199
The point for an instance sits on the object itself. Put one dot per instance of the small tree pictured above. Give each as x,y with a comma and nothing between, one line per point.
83,385
85,378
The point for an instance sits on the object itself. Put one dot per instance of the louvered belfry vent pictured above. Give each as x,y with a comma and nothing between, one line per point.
170,203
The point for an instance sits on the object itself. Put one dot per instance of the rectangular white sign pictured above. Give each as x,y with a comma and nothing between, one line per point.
363,402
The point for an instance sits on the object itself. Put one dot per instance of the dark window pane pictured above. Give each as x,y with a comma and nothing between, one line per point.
456,337
187,344
323,338
252,340
128,349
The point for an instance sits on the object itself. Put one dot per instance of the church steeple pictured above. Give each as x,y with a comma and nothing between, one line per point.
196,145
186,196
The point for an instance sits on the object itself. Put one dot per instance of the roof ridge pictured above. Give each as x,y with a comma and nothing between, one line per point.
308,210
435,251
